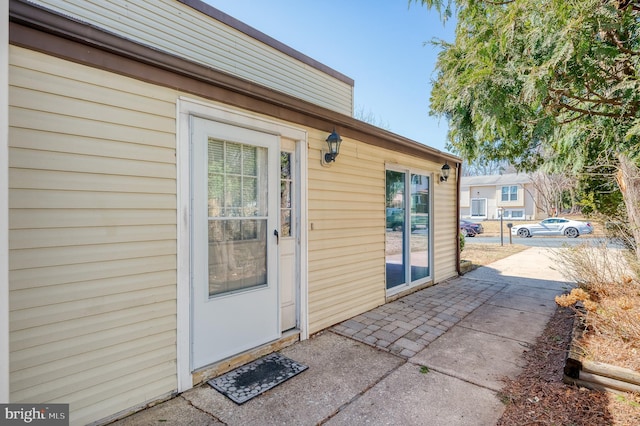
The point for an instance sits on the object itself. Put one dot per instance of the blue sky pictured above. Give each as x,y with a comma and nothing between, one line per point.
379,44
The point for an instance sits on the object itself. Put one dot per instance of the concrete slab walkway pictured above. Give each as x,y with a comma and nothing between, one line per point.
435,357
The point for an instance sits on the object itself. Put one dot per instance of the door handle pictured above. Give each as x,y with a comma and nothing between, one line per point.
275,232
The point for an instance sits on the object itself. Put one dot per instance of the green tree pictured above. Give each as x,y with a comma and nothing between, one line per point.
549,84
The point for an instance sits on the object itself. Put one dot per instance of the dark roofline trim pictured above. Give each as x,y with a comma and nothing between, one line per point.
218,15
40,29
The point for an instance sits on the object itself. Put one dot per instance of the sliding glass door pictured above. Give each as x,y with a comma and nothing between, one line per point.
408,204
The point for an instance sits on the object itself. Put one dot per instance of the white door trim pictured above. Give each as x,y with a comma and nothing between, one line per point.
187,107
4,204
407,245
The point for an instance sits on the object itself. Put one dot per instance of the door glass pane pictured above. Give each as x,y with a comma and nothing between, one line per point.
419,257
395,229
286,183
237,187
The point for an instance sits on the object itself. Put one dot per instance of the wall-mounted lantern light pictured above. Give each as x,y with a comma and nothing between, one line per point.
444,175
333,141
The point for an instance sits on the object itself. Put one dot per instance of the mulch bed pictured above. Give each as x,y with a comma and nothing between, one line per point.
539,397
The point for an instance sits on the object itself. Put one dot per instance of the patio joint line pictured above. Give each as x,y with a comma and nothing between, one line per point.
202,410
362,392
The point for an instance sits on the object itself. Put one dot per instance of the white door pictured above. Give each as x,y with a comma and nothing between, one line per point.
234,202
288,236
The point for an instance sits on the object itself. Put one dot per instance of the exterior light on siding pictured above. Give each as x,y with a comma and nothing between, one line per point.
333,141
444,175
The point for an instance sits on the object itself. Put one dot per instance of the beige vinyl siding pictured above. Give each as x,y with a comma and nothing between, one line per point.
92,237
347,229
445,216
178,29
346,236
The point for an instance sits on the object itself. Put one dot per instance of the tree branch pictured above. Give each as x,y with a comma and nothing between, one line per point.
498,3
592,113
601,101
620,44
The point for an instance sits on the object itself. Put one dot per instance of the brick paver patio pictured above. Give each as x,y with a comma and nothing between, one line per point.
406,326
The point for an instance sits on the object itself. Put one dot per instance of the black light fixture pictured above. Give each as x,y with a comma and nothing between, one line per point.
444,176
333,141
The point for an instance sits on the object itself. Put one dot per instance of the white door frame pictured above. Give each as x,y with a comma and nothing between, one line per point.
4,203
407,244
185,108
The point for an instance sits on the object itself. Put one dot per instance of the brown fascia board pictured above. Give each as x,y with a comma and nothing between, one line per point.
43,30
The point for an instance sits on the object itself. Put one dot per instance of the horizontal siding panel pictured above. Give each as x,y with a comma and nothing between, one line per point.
322,260
338,312
92,144
47,160
78,363
53,256
326,211
55,123
73,181
51,199
367,153
363,243
64,105
337,267
347,160
68,292
338,276
320,223
321,303
50,333
87,88
81,397
64,218
160,373
82,272
82,309
134,89
342,197
350,171
147,391
64,237
354,233
343,254
185,32
40,355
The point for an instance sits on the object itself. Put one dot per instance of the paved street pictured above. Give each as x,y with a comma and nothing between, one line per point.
547,242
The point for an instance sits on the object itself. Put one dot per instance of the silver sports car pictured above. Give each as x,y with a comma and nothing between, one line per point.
553,226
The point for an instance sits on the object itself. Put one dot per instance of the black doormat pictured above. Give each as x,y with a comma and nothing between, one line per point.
250,380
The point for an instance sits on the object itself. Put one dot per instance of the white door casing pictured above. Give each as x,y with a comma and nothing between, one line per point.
186,108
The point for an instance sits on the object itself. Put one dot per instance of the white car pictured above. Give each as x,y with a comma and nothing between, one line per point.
553,226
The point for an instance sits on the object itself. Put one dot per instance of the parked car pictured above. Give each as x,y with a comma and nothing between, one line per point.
553,226
477,227
467,229
395,219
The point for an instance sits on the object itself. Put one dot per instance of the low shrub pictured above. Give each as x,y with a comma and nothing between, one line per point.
609,290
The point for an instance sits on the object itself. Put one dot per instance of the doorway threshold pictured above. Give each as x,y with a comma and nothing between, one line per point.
203,374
